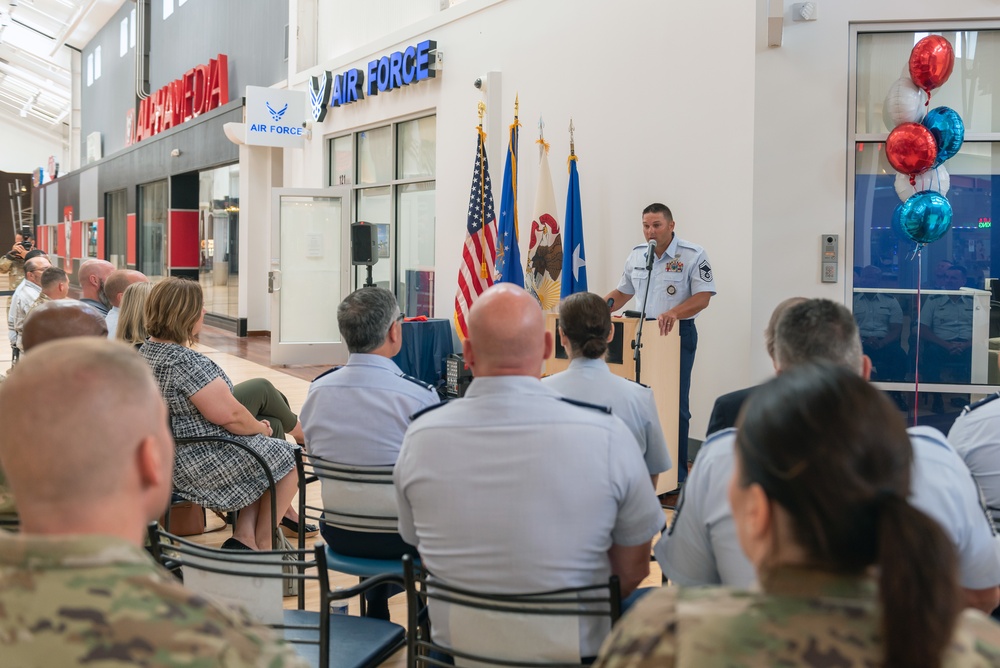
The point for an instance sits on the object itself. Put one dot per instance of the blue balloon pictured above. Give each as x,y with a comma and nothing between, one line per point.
948,130
923,218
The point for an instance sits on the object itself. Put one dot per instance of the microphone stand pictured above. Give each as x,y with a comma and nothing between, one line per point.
637,343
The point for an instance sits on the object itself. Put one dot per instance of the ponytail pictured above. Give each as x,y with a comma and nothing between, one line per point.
918,585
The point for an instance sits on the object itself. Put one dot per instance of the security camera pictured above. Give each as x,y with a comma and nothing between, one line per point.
478,83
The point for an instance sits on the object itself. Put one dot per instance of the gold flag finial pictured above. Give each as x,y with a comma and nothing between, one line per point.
517,104
482,111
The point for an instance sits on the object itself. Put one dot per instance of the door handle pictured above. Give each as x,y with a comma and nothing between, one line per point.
273,281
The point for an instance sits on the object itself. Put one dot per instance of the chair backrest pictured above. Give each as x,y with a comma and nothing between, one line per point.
249,580
532,630
232,442
355,498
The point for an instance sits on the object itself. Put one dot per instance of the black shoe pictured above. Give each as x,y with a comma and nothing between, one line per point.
233,544
291,528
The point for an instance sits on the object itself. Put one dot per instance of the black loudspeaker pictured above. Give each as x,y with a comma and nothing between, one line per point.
364,243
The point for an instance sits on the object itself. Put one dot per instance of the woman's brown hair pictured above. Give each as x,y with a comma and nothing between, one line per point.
834,453
585,319
172,310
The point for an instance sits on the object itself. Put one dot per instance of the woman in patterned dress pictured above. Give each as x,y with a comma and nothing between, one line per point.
200,398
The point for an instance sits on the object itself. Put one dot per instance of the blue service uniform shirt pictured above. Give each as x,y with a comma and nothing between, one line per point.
701,546
591,381
357,414
682,271
976,437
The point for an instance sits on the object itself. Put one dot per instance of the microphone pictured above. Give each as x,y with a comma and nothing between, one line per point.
650,255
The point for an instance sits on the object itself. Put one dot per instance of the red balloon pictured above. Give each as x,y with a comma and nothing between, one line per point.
911,149
931,62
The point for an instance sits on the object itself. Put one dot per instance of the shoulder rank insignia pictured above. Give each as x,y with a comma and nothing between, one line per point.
428,409
326,373
417,381
584,404
980,403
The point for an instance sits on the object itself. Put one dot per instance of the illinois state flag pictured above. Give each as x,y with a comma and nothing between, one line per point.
574,273
475,273
508,262
545,251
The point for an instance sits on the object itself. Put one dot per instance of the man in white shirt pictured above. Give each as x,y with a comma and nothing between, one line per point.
24,298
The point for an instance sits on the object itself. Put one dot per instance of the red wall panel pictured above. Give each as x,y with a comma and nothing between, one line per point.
183,239
76,240
61,239
100,239
130,237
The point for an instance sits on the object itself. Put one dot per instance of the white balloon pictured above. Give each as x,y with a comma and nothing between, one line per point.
903,104
937,180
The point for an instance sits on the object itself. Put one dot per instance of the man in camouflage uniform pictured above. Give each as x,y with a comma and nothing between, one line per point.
12,263
76,587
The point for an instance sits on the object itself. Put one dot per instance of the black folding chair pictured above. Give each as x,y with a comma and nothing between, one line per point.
324,639
517,612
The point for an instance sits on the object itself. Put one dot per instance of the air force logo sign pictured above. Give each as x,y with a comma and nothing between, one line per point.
319,95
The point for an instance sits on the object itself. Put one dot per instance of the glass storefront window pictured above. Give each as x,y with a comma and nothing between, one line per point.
153,229
415,285
115,231
948,336
374,206
417,148
341,162
375,156
218,227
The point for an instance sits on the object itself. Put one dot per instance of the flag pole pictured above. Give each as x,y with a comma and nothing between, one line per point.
513,129
482,187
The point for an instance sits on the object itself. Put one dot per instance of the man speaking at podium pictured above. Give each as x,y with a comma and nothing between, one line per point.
682,284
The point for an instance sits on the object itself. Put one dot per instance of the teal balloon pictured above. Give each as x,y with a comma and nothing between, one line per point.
948,130
923,218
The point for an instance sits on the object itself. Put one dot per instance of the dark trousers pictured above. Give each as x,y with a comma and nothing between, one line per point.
689,344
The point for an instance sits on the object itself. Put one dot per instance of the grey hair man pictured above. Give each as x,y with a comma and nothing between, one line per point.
357,414
81,530
24,297
701,546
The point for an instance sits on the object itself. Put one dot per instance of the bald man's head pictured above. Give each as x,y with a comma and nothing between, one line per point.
61,319
507,334
107,421
92,275
118,280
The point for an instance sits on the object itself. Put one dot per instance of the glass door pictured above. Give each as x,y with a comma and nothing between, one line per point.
310,274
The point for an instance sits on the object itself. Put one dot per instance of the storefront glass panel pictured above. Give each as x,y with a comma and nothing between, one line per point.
218,228
153,200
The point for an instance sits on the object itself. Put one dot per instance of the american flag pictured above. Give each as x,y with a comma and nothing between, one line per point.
476,271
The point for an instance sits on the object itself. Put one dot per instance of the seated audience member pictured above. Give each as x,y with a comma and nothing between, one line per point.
701,546
851,574
585,326
76,587
54,285
114,288
61,319
516,489
727,407
880,323
946,332
131,328
23,298
91,277
976,437
357,414
200,398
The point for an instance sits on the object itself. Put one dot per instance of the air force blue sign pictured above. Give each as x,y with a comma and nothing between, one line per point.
275,117
398,69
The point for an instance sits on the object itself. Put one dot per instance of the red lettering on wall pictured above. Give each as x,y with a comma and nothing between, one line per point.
197,91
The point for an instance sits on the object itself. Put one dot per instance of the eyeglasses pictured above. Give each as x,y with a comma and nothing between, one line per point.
399,318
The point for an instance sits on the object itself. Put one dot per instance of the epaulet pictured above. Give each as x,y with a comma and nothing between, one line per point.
327,373
417,381
980,403
633,380
687,244
428,409
584,404
640,246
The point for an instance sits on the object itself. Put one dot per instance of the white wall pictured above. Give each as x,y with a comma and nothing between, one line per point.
25,149
662,101
800,168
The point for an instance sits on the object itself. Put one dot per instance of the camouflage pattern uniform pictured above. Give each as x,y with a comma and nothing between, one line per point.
806,618
97,600
14,268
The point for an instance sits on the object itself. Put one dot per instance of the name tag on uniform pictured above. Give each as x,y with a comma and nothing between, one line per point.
675,265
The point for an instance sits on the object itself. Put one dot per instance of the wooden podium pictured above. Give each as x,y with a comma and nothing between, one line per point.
661,365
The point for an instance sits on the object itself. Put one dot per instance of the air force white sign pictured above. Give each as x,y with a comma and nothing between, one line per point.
275,117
